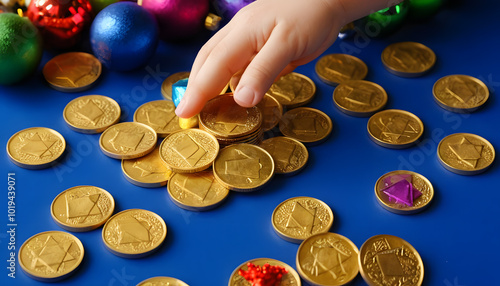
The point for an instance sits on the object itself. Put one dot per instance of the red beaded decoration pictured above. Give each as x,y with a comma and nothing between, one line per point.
60,21
266,275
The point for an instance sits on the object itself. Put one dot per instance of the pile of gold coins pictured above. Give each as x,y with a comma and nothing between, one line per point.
227,152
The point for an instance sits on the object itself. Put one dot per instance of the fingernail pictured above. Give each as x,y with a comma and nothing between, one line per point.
180,107
245,97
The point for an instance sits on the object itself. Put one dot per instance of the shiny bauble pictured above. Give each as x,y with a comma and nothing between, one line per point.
228,8
124,36
20,48
424,9
98,5
178,19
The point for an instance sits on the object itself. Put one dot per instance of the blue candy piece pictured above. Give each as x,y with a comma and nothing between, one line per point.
178,90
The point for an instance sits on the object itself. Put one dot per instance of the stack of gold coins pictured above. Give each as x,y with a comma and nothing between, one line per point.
231,123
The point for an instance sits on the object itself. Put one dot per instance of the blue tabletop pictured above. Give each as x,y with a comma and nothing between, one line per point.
457,236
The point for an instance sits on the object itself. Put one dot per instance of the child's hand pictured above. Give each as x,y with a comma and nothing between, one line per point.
264,40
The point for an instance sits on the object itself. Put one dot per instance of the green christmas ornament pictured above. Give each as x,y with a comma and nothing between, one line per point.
423,9
20,48
384,21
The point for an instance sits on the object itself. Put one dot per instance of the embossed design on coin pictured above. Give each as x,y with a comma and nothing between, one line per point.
307,125
243,167
408,59
159,115
404,192
359,97
272,110
289,155
293,90
338,68
72,72
389,260
198,191
36,147
134,233
460,93
327,259
465,153
148,171
91,113
189,150
298,218
127,140
291,278
162,281
50,256
82,208
395,128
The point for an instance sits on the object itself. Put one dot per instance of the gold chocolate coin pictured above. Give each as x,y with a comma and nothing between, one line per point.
166,86
91,113
465,153
36,147
290,156
189,150
389,260
51,256
293,90
148,171
272,110
301,217
72,72
127,140
196,192
394,128
243,167
408,59
134,233
460,93
291,278
162,281
159,115
224,118
338,68
327,259
82,208
404,192
307,125
359,97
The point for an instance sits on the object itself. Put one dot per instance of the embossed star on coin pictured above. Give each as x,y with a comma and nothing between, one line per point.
293,90
460,93
359,97
243,167
390,260
134,233
327,259
91,113
408,59
36,147
82,208
159,115
196,192
465,153
291,278
395,128
338,68
148,171
50,256
301,217
72,72
189,150
307,125
128,140
290,156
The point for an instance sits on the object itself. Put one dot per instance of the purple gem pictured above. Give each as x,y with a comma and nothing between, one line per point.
402,191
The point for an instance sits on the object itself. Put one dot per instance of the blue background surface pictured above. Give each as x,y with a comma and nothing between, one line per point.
457,236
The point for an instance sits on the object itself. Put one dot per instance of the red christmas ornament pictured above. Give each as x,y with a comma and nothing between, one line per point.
266,275
178,19
60,22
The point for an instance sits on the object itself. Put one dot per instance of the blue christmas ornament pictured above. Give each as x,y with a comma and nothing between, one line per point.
124,36
178,90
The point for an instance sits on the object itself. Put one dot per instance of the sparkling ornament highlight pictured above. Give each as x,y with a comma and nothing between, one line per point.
178,19
124,36
228,8
20,48
60,22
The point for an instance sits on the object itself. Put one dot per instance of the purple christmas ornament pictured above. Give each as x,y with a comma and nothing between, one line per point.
228,8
